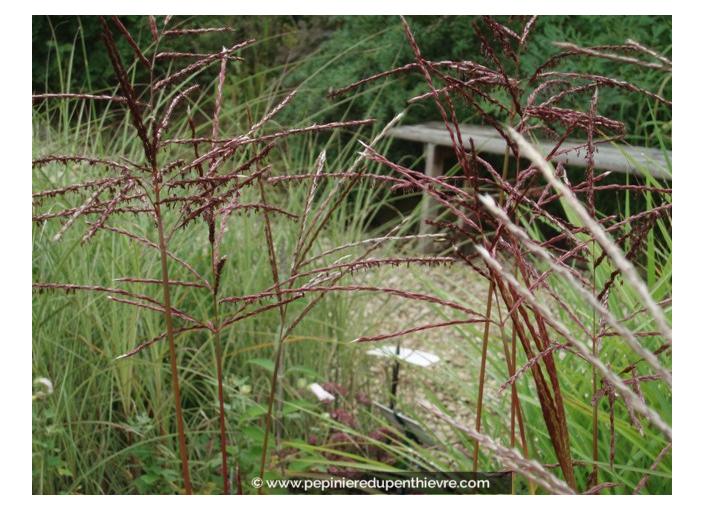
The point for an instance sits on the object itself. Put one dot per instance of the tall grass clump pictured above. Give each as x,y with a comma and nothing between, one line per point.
579,300
186,206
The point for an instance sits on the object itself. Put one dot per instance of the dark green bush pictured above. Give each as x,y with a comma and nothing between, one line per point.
322,53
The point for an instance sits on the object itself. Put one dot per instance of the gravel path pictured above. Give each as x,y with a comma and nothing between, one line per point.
453,380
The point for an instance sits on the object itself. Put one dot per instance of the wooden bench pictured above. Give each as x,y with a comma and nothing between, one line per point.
609,157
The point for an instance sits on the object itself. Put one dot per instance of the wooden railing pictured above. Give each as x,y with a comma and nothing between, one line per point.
615,157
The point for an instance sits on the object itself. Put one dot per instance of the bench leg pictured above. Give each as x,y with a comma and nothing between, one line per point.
429,207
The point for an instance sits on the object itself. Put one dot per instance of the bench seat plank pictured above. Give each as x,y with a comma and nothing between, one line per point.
617,158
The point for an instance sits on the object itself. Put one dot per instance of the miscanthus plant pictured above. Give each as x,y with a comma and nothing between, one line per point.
566,289
564,278
190,176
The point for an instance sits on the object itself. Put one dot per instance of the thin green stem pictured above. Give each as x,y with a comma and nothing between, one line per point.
221,393
595,409
270,407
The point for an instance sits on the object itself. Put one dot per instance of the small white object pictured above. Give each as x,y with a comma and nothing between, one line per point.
323,396
48,385
420,358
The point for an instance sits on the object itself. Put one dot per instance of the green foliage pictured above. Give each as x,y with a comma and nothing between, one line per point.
361,46
68,54
655,32
318,54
